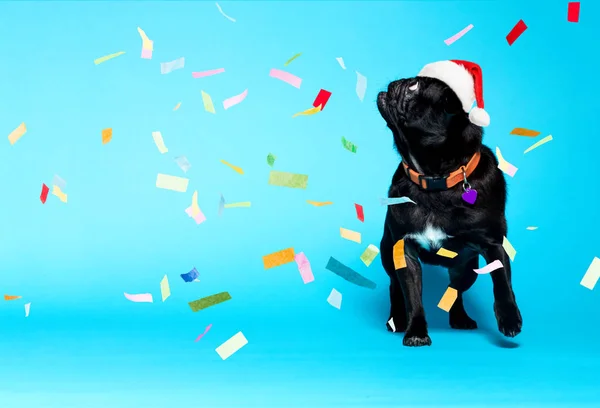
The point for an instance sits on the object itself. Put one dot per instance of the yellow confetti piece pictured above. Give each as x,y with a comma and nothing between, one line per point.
17,133
108,57
446,253
291,59
538,144
398,254
510,250
590,278
448,299
165,290
319,203
147,43
532,228
234,168
241,204
524,132
106,135
159,142
307,112
208,103
195,207
278,258
177,106
350,235
58,192
173,183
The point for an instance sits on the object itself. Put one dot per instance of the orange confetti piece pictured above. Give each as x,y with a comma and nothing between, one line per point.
398,254
177,106
448,299
9,297
278,258
106,135
524,132
234,168
319,203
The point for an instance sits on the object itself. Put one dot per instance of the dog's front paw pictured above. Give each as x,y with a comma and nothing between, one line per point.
461,321
416,335
509,318
416,341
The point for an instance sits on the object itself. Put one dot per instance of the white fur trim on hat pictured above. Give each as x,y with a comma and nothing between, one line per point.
479,117
456,77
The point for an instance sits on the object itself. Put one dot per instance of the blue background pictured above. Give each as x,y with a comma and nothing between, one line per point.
85,345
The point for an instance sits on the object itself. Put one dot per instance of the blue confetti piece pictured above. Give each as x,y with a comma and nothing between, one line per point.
395,200
190,276
349,274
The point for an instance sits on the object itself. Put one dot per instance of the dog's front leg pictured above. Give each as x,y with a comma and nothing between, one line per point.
410,278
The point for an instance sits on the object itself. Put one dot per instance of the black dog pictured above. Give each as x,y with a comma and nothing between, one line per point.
439,146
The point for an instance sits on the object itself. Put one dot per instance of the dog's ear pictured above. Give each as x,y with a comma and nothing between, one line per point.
452,104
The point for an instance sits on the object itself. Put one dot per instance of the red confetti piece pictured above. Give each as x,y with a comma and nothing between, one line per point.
573,14
322,98
360,214
516,32
44,195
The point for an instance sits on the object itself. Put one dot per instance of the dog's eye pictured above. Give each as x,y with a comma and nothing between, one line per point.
414,87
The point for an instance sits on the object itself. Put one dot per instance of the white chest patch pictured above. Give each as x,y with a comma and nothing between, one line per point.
431,238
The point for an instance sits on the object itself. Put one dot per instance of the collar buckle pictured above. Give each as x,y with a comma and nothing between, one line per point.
433,183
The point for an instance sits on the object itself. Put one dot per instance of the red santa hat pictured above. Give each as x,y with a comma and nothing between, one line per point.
466,80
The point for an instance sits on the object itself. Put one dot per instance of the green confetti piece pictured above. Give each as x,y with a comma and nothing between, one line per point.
292,180
209,301
271,159
291,59
369,255
349,145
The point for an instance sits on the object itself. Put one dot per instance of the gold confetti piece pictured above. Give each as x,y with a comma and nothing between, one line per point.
17,133
208,103
165,290
319,203
532,228
398,254
106,135
177,106
108,57
307,112
510,250
350,235
446,253
234,168
173,183
538,144
448,299
524,132
58,192
195,208
241,204
278,258
159,142
291,59
10,297
369,255
589,279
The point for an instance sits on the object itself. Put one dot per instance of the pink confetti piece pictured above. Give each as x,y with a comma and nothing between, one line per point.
147,52
199,218
234,100
293,80
205,331
491,267
208,73
304,268
458,35
140,297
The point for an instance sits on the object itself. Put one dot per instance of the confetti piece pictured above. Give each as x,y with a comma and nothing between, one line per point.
532,228
58,181
58,193
139,298
238,205
160,143
221,204
591,276
335,299
516,32
446,253
398,254
458,35
202,335
227,17
177,106
234,168
293,80
183,163
351,147
44,195
106,135
291,180
168,67
271,159
524,132
147,45
165,290
209,301
360,213
199,217
308,112
278,258
489,267
10,297
204,74
195,210
392,325
505,166
573,12
208,103
369,255
231,346
190,276
108,57
349,274
17,133
172,183
538,144
395,200
340,61
322,99
319,203
361,85
510,250
448,299
27,308
291,59
147,53
234,100
304,268
350,235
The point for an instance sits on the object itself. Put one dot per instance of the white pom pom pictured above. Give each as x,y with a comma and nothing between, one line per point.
479,117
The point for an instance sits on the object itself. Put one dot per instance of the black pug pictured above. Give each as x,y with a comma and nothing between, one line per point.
443,163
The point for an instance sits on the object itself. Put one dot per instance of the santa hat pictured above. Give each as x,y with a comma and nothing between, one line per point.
465,79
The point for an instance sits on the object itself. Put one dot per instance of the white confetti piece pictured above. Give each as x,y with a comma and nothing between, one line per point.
361,85
335,299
